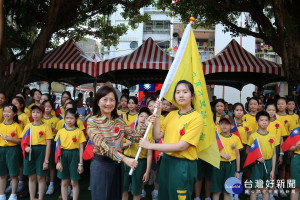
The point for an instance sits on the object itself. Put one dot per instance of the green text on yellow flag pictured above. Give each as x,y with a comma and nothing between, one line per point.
187,66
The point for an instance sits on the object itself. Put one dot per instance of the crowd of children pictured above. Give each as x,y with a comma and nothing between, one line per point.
30,135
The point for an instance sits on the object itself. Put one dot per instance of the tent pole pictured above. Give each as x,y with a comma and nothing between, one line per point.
240,96
74,92
95,85
49,87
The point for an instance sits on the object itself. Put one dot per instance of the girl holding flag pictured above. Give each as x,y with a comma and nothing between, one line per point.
70,162
50,119
10,137
36,142
180,130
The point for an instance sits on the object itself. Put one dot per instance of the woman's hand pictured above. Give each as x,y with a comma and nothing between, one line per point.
59,167
80,169
146,177
127,144
130,162
144,143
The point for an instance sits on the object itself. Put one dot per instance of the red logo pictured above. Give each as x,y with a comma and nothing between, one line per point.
41,133
20,121
276,125
286,121
182,132
271,141
74,139
13,134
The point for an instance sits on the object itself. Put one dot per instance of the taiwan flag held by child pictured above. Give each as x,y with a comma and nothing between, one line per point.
219,141
234,130
58,111
25,140
253,154
291,140
58,152
88,151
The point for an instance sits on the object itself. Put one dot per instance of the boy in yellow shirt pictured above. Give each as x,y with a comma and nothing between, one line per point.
264,168
230,158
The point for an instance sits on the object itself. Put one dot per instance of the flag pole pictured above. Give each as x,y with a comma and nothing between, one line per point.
169,78
262,155
30,145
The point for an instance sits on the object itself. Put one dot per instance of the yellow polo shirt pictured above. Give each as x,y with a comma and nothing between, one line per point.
39,133
12,130
27,112
251,121
52,122
131,118
244,129
23,120
191,123
267,147
276,127
231,144
295,119
70,139
287,121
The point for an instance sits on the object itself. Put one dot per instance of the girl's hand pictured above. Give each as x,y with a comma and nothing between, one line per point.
130,162
59,167
272,175
237,175
45,166
262,160
158,105
146,177
280,160
160,155
144,143
225,156
80,169
28,149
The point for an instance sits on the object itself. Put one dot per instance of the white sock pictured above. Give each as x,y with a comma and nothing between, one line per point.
13,195
51,184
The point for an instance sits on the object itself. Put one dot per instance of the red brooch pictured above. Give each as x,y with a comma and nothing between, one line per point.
182,132
276,125
41,133
117,129
271,141
13,134
74,139
286,121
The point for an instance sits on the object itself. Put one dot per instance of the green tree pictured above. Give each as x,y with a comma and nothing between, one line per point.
29,27
277,22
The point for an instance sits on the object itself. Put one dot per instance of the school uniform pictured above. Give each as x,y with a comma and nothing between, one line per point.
267,144
61,123
295,119
39,135
9,152
70,141
227,167
27,112
251,119
136,179
130,118
52,122
295,170
178,170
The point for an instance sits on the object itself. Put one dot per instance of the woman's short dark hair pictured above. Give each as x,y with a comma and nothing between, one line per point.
102,92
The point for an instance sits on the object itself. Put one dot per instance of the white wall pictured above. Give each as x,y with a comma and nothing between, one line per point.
232,95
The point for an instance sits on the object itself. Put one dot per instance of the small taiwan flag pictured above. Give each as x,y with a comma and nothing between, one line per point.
25,140
88,151
57,150
219,141
253,154
234,130
291,140
58,111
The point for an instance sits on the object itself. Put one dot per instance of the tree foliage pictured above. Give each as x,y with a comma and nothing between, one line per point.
275,21
32,26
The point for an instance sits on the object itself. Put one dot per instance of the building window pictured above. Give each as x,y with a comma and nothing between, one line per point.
157,26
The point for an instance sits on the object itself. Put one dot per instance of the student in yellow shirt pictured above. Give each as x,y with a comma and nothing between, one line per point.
291,104
26,110
276,127
230,159
66,95
46,97
70,163
267,142
250,116
131,115
295,170
287,121
124,105
23,121
2,101
10,138
41,136
181,132
52,121
36,99
142,172
219,109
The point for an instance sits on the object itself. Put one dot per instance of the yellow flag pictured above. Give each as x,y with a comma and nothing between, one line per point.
189,68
